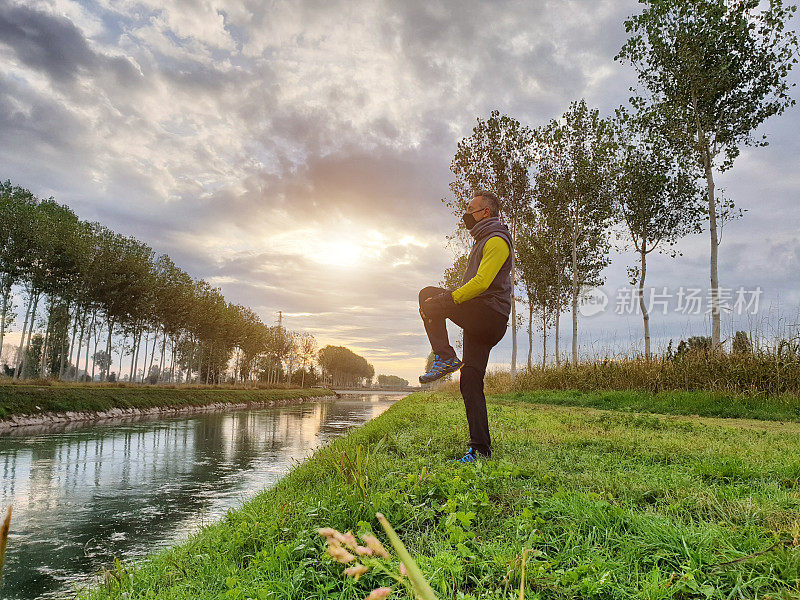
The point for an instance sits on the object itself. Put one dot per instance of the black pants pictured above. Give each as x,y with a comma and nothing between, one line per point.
483,328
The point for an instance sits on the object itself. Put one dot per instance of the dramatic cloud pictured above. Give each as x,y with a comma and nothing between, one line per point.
295,154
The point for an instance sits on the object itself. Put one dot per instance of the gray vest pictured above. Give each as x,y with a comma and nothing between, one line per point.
498,295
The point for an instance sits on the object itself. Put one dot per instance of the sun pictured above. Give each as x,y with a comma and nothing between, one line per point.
340,253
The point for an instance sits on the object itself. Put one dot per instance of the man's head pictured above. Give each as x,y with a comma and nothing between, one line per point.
484,204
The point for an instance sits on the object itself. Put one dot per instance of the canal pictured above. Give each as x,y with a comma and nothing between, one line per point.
84,494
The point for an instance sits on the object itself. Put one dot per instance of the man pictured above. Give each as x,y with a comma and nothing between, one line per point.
480,307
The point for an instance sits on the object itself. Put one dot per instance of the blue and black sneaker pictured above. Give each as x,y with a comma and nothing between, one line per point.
440,368
470,456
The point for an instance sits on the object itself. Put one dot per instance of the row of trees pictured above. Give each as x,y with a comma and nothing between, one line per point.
344,368
92,291
710,72
392,381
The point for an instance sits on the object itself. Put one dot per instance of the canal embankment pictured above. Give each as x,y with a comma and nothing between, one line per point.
42,404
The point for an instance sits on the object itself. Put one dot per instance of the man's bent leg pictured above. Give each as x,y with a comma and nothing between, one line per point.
476,356
435,326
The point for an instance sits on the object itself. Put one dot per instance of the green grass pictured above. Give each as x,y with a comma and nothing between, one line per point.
706,404
18,399
613,505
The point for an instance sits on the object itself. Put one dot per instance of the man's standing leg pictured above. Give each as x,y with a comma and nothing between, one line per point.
476,357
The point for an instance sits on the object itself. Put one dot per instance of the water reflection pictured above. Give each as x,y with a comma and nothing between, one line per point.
84,494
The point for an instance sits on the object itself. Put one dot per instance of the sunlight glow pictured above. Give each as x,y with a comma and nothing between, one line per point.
348,246
340,253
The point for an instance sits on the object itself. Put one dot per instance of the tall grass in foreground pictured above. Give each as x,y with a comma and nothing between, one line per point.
762,374
4,538
341,547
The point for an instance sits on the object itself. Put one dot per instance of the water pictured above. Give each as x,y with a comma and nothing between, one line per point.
85,493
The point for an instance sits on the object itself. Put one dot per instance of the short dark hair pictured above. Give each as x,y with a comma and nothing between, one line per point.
490,199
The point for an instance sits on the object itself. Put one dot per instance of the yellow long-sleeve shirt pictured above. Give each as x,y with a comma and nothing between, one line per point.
495,253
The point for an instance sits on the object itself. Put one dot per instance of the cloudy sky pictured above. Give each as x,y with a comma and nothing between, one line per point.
295,154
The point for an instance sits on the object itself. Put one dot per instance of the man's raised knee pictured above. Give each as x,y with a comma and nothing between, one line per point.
427,292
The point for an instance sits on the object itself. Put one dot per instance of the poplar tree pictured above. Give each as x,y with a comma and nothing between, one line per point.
540,254
17,210
713,71
656,197
573,192
496,157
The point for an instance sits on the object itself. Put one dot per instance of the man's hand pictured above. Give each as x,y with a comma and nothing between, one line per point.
438,304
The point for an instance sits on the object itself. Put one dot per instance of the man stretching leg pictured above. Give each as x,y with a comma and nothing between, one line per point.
480,307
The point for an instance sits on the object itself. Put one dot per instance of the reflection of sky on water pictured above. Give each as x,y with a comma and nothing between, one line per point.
83,495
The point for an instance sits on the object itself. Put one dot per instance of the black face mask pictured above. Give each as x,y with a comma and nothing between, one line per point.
469,220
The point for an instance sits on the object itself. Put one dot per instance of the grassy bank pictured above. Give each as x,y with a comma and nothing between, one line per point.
704,404
673,402
761,374
16,399
610,504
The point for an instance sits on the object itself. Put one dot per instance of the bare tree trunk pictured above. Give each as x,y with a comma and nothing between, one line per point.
71,342
108,347
62,349
200,357
144,365
94,355
121,353
46,340
137,337
712,219
89,342
544,337
18,365
645,315
530,331
172,362
146,334
80,346
152,353
712,222
199,361
6,296
30,334
133,350
558,338
210,355
513,317
161,358
574,300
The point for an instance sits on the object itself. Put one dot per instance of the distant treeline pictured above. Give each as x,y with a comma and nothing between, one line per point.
85,287
392,381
